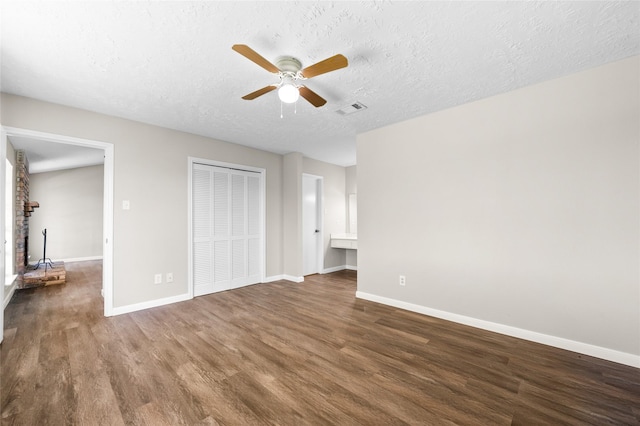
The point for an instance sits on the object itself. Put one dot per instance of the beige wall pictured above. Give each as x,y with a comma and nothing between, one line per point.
521,209
292,215
71,211
333,187
150,170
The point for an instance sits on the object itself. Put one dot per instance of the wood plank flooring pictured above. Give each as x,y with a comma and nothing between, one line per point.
287,354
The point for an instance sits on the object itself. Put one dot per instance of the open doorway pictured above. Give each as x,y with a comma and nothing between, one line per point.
58,152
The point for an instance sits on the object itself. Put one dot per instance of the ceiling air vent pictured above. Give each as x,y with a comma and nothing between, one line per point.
351,108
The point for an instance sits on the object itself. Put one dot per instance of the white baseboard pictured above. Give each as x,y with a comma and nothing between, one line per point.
333,269
301,279
150,304
339,268
283,277
545,339
9,290
80,259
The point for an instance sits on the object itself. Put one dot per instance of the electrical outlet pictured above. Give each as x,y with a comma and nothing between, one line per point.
169,277
157,279
403,280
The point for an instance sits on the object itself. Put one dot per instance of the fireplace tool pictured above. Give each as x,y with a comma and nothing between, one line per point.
45,260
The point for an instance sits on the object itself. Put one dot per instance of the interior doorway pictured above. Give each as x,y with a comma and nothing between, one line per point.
312,219
51,141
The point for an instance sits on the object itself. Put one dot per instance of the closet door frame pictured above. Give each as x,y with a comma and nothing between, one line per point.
263,175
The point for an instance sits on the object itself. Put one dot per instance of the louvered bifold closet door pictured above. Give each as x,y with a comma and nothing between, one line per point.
254,230
245,228
221,243
227,228
238,212
202,187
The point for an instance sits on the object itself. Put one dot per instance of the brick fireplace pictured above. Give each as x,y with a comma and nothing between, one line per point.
28,278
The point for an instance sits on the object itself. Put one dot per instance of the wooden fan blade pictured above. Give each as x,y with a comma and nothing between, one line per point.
330,64
311,96
252,55
260,92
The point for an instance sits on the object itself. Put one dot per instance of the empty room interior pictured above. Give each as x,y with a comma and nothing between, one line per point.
320,212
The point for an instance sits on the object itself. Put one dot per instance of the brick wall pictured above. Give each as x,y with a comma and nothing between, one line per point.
22,221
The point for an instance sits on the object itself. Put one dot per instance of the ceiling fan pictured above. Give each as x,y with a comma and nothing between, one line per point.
290,72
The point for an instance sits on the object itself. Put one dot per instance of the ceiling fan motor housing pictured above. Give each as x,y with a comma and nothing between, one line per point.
288,64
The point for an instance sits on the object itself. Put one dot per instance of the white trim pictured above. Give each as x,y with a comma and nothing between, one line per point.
333,269
190,290
339,268
558,342
150,304
107,247
8,296
3,159
263,201
12,289
81,259
224,164
107,233
283,278
9,280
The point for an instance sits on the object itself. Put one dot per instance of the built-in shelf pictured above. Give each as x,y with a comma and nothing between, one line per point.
344,241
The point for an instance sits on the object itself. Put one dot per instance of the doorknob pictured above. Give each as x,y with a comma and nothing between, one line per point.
317,230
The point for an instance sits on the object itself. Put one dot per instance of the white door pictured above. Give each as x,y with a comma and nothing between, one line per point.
311,224
227,231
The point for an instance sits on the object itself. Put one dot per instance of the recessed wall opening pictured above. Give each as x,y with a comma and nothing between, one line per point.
48,145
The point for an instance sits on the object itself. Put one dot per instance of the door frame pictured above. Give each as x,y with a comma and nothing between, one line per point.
320,218
107,204
263,182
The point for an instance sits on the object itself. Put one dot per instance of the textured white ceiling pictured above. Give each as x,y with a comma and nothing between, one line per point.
171,63
46,156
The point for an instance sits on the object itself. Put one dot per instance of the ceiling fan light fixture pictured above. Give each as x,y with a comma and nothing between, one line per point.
290,71
288,93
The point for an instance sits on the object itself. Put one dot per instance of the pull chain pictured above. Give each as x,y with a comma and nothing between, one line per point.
295,108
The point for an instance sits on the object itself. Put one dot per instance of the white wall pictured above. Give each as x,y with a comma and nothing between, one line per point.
150,170
71,211
519,210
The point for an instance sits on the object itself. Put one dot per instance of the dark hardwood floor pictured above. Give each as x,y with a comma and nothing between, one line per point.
288,354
